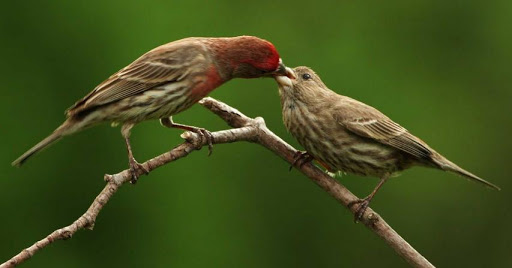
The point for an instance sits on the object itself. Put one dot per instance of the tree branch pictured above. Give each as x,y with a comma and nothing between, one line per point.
244,129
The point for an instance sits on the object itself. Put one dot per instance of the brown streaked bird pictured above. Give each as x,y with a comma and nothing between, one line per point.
346,135
164,82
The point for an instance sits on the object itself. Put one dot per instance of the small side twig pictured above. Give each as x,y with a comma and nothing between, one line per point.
244,129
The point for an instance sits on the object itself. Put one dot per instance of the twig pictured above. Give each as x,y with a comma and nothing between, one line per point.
244,129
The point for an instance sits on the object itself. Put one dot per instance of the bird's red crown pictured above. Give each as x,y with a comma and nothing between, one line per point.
264,57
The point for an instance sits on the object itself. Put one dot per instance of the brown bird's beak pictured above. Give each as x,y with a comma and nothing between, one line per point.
286,79
282,70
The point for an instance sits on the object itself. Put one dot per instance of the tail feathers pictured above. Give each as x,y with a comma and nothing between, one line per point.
56,135
447,165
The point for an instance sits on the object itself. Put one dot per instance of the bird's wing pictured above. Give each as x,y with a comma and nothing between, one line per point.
374,125
161,65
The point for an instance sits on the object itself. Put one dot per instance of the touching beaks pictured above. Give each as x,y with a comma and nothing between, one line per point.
290,73
282,70
285,81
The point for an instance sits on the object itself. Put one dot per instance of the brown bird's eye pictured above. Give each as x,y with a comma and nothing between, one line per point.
306,76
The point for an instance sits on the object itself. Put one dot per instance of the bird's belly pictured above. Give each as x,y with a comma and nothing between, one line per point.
365,159
159,102
354,156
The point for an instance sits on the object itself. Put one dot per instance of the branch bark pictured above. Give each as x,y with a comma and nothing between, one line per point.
243,129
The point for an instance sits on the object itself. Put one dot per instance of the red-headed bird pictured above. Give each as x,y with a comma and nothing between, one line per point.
164,82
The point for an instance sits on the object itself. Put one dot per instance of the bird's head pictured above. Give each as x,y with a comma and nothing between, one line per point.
249,57
301,81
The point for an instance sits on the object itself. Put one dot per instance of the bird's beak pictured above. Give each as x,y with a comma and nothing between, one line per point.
282,70
285,80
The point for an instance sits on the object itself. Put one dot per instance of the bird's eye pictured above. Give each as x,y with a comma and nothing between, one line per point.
306,76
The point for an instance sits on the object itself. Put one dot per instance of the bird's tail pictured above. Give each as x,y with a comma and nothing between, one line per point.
65,129
447,165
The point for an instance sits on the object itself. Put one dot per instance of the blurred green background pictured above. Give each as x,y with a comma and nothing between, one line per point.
440,68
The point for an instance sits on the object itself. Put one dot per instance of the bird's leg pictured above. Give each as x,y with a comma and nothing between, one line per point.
365,202
300,158
205,134
135,167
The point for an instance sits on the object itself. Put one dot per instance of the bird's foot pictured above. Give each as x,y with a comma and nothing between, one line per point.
203,133
205,136
363,205
136,169
300,158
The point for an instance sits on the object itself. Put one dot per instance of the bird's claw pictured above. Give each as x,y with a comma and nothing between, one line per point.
363,205
203,133
300,158
207,136
135,169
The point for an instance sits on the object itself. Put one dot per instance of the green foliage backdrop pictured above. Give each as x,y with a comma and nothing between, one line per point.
440,68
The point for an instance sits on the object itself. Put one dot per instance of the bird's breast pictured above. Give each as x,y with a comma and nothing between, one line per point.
205,83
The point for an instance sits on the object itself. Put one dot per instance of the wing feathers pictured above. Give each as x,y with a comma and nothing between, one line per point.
388,132
166,64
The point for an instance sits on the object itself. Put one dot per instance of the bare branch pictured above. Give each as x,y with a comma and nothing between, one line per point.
244,129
